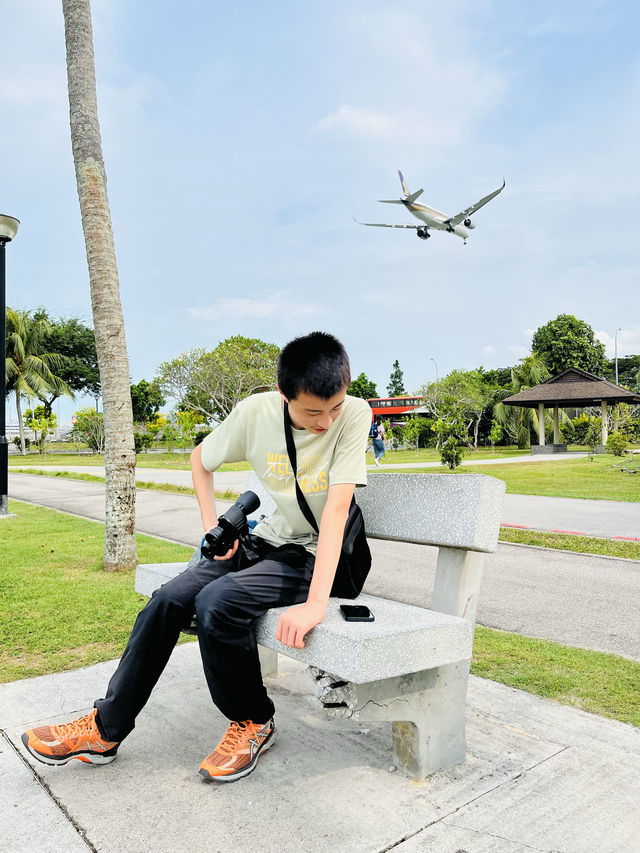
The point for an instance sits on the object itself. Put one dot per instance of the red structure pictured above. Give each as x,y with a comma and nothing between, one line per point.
391,407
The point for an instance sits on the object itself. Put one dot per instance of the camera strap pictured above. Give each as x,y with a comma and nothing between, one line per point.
293,459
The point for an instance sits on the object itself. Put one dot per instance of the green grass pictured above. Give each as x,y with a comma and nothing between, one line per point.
226,495
572,542
602,683
598,478
60,611
169,461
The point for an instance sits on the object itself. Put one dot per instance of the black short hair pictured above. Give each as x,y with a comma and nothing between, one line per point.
316,363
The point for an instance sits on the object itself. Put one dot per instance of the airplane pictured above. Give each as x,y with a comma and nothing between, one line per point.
459,224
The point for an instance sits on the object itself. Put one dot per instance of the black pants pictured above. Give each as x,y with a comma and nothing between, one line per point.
227,597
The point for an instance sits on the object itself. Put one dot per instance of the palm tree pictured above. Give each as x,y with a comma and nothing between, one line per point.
29,368
108,322
517,420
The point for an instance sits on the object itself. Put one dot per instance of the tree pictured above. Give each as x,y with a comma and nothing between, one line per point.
29,365
88,426
108,322
211,383
146,399
569,342
363,387
463,397
74,340
395,388
518,421
41,422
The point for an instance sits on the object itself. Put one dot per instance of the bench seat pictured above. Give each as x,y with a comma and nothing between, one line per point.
403,639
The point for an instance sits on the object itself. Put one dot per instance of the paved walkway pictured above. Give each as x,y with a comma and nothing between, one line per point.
574,599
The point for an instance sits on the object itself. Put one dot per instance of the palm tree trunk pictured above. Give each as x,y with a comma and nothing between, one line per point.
108,322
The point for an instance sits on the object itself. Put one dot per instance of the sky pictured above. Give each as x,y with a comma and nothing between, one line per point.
240,140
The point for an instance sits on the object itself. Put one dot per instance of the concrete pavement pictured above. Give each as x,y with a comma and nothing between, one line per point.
538,777
576,599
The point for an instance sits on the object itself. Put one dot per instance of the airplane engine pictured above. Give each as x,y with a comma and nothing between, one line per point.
469,224
423,233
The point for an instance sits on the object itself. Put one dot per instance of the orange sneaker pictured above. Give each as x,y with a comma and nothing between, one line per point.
237,753
78,739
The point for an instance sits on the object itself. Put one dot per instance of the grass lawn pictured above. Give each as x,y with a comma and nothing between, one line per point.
572,542
60,611
170,461
598,478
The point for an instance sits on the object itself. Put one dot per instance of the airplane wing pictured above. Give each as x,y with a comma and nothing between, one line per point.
456,220
385,225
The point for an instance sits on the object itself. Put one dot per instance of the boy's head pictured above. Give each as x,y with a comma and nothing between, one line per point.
316,364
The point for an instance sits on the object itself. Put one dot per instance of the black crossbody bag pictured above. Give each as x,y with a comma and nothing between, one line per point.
355,556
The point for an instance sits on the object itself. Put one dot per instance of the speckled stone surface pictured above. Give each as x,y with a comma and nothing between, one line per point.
456,510
403,638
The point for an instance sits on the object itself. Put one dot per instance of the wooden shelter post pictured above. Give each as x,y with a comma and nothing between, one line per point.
556,426
605,425
540,423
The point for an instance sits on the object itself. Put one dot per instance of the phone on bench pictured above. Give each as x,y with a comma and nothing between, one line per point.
356,613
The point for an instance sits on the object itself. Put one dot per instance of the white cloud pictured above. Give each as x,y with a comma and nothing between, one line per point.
352,121
275,303
488,349
628,342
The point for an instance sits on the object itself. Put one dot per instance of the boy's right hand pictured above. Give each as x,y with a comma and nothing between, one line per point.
230,552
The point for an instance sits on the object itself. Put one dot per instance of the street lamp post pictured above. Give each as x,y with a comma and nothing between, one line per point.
434,361
616,356
8,230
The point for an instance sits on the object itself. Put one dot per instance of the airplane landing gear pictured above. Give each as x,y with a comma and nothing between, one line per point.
423,233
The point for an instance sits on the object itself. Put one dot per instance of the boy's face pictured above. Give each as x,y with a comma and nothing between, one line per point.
313,413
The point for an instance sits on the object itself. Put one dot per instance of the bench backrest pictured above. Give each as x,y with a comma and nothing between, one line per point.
448,510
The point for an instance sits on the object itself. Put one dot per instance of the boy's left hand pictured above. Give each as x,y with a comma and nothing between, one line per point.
294,623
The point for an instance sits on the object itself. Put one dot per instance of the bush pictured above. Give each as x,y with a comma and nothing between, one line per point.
451,453
617,444
142,441
27,443
593,436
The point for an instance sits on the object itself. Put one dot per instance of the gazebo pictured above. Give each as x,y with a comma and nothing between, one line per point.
571,388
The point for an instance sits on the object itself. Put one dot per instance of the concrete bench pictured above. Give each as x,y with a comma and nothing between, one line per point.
411,665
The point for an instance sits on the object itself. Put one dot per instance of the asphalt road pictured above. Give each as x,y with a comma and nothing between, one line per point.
575,599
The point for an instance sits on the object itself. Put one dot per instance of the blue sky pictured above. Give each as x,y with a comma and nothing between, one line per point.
240,140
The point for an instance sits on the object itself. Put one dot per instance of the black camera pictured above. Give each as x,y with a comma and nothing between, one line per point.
231,526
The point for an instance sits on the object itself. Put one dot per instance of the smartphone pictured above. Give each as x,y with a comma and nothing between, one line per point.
356,613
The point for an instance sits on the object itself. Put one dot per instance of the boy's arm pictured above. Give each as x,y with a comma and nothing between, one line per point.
203,484
298,621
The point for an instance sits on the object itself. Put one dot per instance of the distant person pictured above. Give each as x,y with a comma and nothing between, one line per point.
378,437
282,562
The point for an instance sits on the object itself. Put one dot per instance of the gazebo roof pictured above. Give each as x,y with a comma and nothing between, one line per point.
572,387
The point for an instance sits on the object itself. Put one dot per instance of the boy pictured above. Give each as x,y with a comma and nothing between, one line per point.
283,562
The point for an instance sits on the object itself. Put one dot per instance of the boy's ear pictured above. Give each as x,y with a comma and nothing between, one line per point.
281,394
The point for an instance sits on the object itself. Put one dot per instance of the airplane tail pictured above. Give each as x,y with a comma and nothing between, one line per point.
407,197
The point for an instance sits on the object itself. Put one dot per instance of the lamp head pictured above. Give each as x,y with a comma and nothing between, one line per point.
8,228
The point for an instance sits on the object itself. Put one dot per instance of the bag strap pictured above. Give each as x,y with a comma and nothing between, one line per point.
293,459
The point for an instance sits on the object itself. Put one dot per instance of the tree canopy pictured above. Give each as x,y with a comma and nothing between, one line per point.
362,387
74,340
211,383
146,399
395,388
569,342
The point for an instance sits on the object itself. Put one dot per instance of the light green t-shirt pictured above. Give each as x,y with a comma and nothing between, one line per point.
255,431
